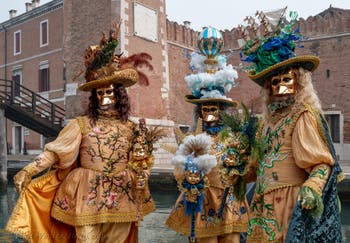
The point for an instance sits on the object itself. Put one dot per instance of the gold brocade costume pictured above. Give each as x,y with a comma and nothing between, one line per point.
92,183
235,214
296,149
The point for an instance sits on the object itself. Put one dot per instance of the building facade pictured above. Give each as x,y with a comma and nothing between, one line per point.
31,54
42,49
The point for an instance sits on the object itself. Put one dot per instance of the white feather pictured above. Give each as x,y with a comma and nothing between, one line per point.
207,162
179,161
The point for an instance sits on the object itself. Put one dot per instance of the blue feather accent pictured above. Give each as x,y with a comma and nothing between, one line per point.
190,206
213,129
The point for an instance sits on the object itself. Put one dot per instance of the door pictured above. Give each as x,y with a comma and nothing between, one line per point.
17,141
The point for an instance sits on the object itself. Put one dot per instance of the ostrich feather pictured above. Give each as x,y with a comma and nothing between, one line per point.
138,61
196,145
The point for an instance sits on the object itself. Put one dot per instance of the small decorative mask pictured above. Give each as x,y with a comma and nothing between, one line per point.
284,83
231,160
141,181
139,151
106,98
193,177
210,113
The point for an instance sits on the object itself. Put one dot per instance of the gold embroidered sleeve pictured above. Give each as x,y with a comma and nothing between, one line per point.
318,178
309,149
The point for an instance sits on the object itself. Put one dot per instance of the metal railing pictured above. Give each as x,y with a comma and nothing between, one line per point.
19,97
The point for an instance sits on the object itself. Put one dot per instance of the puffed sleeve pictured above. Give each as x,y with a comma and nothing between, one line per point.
309,149
311,152
63,151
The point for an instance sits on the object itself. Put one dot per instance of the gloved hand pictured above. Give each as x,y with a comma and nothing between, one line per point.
307,198
21,180
310,200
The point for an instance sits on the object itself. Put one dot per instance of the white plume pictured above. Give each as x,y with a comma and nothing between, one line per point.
207,162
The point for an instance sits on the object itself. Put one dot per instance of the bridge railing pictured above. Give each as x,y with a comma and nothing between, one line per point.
14,94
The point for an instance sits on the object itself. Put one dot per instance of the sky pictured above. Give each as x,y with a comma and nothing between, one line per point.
221,14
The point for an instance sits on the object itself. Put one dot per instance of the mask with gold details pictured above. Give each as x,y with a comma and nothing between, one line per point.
284,83
193,177
210,112
106,98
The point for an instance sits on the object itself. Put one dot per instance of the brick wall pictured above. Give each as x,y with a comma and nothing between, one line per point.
79,24
327,36
83,22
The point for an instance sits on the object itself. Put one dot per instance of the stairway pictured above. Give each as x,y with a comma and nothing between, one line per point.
29,109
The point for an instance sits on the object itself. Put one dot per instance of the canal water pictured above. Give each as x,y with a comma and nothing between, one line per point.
152,229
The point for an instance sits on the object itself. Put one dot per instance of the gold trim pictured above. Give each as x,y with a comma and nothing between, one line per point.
24,233
251,239
192,99
207,232
340,177
127,77
269,190
99,217
316,114
308,62
314,186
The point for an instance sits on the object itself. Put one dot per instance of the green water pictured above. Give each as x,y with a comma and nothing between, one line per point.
152,228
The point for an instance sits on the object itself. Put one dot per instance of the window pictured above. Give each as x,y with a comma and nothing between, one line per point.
44,77
17,42
184,128
333,121
44,33
17,78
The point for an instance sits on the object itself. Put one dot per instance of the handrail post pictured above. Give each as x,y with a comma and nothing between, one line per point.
33,103
12,92
52,114
6,88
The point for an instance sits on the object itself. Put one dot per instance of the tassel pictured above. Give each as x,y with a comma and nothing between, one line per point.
223,202
193,227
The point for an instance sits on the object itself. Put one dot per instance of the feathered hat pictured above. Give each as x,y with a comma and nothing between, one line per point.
103,67
212,78
273,50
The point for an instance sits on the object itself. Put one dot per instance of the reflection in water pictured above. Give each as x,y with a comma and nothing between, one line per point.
8,200
152,228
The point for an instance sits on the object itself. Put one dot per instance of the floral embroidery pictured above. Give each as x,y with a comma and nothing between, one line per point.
38,160
108,146
63,203
96,130
112,188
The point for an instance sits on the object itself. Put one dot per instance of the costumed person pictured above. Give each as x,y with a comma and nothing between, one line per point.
193,162
96,189
296,169
209,85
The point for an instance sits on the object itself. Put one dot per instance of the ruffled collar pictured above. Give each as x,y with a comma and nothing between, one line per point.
277,105
108,114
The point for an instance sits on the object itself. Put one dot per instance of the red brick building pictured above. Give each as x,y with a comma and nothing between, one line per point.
49,64
31,47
